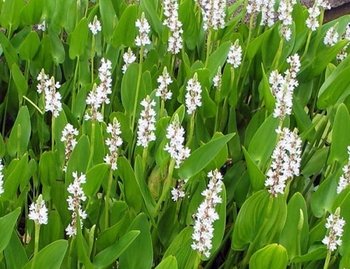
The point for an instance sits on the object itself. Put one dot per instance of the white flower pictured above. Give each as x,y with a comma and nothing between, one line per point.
164,81
113,143
206,214
95,26
193,95
285,10
42,26
1,178
286,161
52,97
142,38
213,12
234,56
175,147
331,37
77,196
282,88
146,123
267,13
346,36
175,26
38,211
128,57
344,180
335,226
68,134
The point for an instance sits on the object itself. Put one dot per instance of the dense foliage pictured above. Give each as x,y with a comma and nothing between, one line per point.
173,134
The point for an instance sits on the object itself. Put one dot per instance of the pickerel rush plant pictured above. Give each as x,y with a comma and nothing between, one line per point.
173,134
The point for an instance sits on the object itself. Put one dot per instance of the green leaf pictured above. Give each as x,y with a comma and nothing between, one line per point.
294,236
47,168
316,162
150,9
57,52
78,39
218,58
20,81
202,156
31,12
94,178
169,262
79,158
313,255
133,195
15,254
15,175
256,44
125,32
20,133
10,14
113,252
260,219
142,245
29,46
181,249
340,142
336,86
189,23
272,256
7,223
51,256
108,17
261,152
128,88
9,50
257,178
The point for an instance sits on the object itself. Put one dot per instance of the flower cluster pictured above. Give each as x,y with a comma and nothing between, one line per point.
113,143
206,215
217,79
285,10
99,94
68,134
128,57
142,38
164,81
283,87
146,123
42,26
74,203
286,161
95,26
52,98
335,226
312,22
331,37
213,12
175,26
344,180
38,211
234,56
346,36
193,95
175,147
1,178
178,192
267,9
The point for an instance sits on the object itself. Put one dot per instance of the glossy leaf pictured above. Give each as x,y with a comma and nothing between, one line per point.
202,156
113,252
271,256
29,46
94,178
51,256
7,223
108,18
168,263
20,134
19,80
125,31
78,39
31,12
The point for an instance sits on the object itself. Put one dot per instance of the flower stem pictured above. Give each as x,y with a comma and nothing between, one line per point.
108,191
92,143
328,257
36,243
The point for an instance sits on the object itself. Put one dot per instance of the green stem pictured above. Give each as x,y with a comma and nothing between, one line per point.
92,143
307,45
133,116
277,55
53,133
92,57
328,258
191,130
36,243
74,92
108,192
33,104
167,186
208,46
